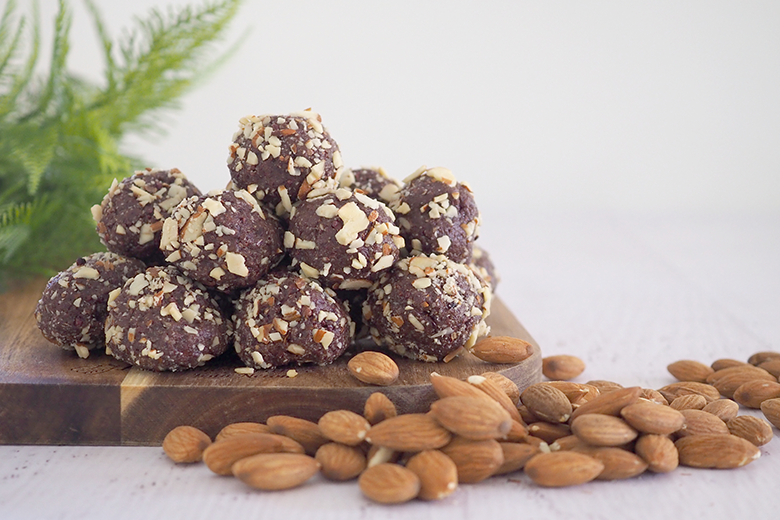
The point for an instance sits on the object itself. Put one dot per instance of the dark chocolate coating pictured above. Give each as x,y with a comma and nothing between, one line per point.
223,240
483,266
130,218
427,307
279,158
161,320
374,182
72,309
288,319
437,215
344,239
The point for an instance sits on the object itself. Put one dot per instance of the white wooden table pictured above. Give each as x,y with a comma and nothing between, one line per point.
629,294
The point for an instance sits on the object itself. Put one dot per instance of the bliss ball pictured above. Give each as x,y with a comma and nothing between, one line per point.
223,240
72,309
374,182
483,266
161,320
130,218
437,214
279,158
344,239
287,319
427,308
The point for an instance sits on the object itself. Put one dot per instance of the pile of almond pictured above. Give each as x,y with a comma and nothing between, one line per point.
559,432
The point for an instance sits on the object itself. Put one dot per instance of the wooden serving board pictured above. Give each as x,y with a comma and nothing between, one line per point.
50,396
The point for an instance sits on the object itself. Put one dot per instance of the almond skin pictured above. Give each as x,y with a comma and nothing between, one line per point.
604,386
302,431
446,386
409,432
724,409
603,430
547,403
722,363
563,468
753,429
507,385
619,464
752,393
389,483
502,349
658,451
344,426
716,451
609,403
340,462
690,370
562,367
241,428
475,460
378,407
772,366
185,444
221,455
771,410
516,455
373,368
472,418
275,471
437,472
689,402
649,417
699,422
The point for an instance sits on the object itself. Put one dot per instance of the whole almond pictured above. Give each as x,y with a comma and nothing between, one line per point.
699,422
577,393
185,444
753,429
649,417
716,451
562,367
305,432
446,386
567,443
562,468
475,460
409,432
722,363
547,403
516,455
241,428
725,409
274,471
690,370
605,386
771,410
609,403
727,380
340,462
619,464
344,426
221,455
772,366
472,418
378,407
689,402
373,368
675,390
603,430
648,394
752,393
509,387
658,451
527,415
389,483
502,349
437,472
518,431
549,432
760,357
496,393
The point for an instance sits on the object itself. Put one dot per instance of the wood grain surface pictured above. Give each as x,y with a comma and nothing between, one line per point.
50,396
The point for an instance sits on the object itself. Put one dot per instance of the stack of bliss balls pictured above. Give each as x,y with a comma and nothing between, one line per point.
290,263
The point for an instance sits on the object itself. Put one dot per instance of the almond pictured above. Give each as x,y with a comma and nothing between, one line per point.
305,432
658,451
373,368
752,393
446,386
475,460
548,432
437,473
380,454
509,387
518,431
772,366
725,409
649,417
567,443
577,393
241,428
648,394
502,349
716,451
603,430
699,422
689,402
562,468
274,471
516,455
389,483
378,407
409,432
604,386
760,357
689,370
562,367
221,455
185,444
753,429
675,390
727,380
609,403
344,426
722,363
340,462
547,403
472,418
619,464
771,410
496,393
